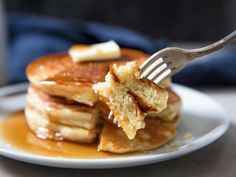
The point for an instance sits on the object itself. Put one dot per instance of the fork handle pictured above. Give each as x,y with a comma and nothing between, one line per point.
195,53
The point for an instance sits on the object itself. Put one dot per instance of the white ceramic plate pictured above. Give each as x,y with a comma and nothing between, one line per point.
201,115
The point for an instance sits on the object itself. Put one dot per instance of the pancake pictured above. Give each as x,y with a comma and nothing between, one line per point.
61,111
63,106
122,104
171,124
114,140
173,107
44,128
148,94
169,114
104,111
165,83
58,75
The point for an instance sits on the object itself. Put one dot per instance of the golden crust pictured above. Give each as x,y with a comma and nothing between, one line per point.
58,75
154,134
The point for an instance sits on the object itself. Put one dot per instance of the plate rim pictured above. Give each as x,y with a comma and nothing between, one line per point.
117,162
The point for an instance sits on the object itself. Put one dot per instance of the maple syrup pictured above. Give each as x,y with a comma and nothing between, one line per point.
15,132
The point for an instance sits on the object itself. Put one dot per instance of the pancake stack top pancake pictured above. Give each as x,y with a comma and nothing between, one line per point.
63,106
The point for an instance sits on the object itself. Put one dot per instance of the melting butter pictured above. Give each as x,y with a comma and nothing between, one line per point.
103,51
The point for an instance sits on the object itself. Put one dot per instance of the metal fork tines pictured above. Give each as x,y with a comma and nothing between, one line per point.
155,70
115,121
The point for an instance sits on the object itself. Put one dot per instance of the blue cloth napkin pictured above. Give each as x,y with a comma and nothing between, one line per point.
35,36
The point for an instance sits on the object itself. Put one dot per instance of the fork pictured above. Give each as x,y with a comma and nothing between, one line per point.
167,62
171,60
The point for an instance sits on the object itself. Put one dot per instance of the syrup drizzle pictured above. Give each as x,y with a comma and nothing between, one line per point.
15,132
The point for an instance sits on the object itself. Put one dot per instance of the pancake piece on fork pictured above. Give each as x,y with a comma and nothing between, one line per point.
148,94
129,97
122,104
166,119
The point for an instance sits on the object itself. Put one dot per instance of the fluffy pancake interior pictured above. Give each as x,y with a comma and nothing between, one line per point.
149,95
168,116
154,134
173,107
122,105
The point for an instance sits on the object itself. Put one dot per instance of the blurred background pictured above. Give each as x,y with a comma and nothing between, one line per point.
31,28
179,20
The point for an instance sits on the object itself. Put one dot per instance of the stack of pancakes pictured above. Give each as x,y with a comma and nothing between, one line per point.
63,106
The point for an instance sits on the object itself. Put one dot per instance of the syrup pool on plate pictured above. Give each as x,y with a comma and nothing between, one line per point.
15,132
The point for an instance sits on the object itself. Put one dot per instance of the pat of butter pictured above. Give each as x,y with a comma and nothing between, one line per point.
102,51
